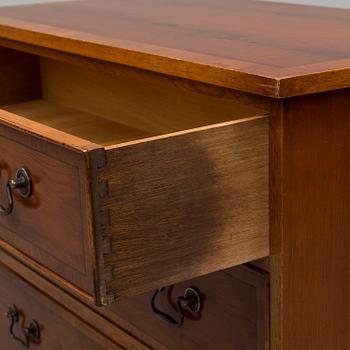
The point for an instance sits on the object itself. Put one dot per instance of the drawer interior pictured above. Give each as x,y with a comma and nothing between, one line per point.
104,107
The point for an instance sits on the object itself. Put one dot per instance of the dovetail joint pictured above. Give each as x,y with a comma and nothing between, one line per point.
102,189
102,218
105,215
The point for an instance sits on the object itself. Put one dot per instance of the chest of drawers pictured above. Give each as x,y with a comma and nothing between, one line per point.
178,159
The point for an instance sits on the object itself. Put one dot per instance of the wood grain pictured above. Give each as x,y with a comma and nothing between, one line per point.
234,314
140,74
64,111
184,205
311,274
149,106
55,214
85,320
274,50
45,272
107,328
84,125
276,227
60,329
245,45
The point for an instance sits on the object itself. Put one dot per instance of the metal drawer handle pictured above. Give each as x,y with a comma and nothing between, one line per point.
23,183
191,299
31,333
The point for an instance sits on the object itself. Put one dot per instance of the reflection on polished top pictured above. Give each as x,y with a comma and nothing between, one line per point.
266,48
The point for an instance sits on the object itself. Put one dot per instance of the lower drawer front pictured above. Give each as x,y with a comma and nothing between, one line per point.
59,329
234,314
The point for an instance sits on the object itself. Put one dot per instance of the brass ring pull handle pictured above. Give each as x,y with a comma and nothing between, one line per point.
31,333
23,183
191,300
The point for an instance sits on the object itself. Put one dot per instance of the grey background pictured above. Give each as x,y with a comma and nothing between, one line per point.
330,3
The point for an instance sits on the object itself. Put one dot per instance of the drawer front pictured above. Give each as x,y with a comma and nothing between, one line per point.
234,315
50,228
59,329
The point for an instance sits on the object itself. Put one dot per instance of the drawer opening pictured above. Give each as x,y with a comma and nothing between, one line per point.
104,108
169,184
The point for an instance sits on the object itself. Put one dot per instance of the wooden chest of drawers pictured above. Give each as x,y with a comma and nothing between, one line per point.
151,153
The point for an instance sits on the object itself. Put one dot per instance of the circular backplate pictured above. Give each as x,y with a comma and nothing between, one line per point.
33,331
26,190
192,295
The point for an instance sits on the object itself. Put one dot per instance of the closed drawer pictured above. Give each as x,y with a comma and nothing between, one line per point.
58,328
234,314
133,186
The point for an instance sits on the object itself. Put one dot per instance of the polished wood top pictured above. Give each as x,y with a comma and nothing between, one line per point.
270,49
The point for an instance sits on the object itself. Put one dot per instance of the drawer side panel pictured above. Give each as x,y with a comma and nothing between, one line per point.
185,205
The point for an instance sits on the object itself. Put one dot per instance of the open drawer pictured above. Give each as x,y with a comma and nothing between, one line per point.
134,186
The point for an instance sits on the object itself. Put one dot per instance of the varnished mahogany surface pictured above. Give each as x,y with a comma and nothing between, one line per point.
56,212
39,299
315,260
271,49
60,329
234,314
183,205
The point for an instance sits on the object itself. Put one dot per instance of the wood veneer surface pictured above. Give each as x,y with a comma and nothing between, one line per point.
55,213
82,124
184,205
314,264
234,313
270,49
60,329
